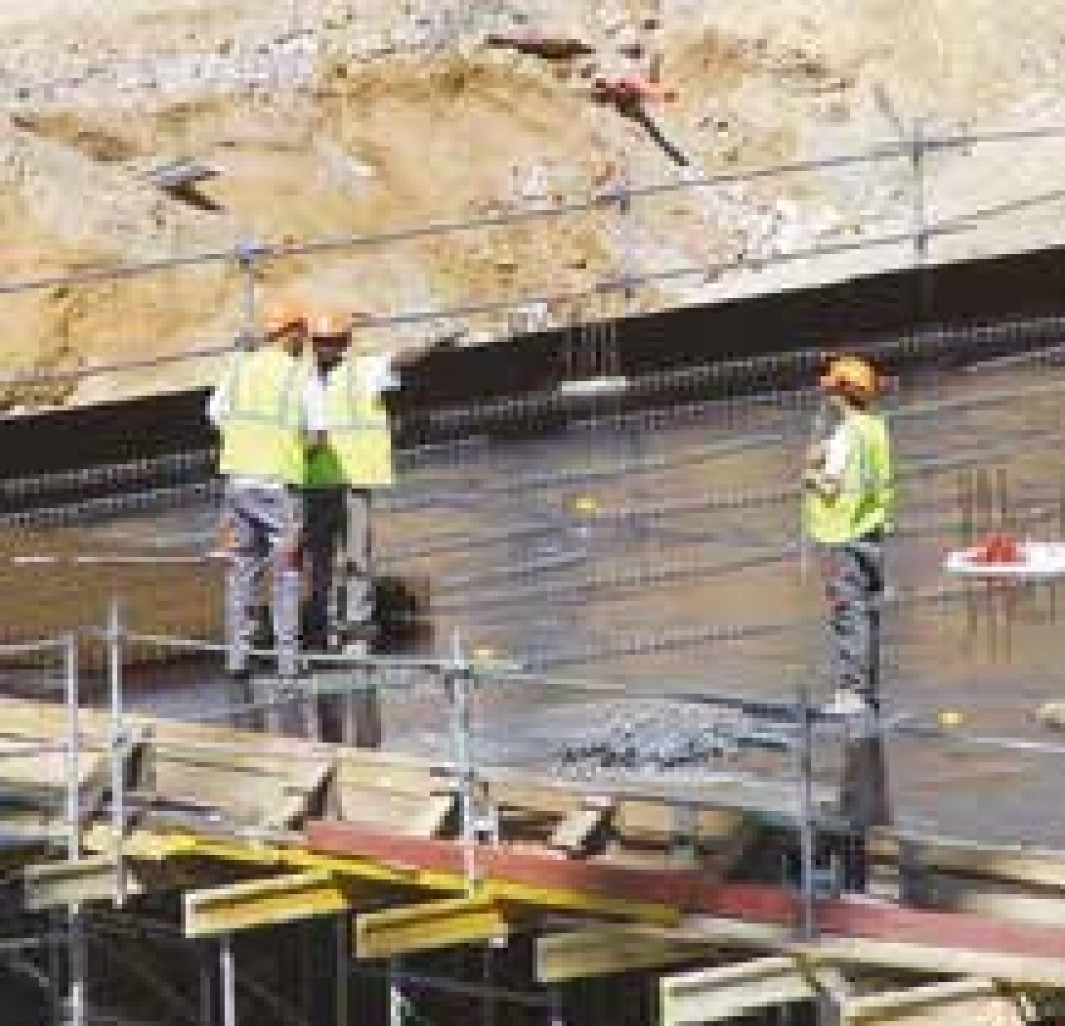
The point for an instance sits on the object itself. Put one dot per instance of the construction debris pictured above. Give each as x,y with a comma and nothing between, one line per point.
650,735
551,48
181,179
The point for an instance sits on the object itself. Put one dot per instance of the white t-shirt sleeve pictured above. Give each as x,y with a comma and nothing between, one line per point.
376,374
218,403
837,450
314,410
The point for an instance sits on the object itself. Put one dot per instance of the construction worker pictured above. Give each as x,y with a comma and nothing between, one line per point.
847,509
259,409
350,459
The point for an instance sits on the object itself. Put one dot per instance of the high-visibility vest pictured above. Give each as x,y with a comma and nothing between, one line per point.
358,449
262,421
863,503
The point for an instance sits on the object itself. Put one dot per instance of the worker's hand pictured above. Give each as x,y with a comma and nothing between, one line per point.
828,488
816,455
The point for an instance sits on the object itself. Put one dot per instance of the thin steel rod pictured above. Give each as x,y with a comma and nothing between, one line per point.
118,746
229,981
947,226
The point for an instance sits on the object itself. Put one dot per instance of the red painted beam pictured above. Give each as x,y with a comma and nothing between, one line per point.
693,892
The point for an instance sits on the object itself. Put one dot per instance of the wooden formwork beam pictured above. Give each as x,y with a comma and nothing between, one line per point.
991,862
726,992
266,902
58,884
430,925
970,1002
609,949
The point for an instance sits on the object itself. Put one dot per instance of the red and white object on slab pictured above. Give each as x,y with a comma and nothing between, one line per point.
1003,555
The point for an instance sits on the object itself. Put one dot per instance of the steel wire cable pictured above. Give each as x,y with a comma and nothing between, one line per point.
512,606
688,637
250,253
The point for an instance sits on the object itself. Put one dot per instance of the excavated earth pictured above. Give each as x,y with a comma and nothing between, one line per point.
329,119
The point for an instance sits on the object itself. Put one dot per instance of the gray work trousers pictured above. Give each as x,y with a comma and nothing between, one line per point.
854,585
338,556
264,526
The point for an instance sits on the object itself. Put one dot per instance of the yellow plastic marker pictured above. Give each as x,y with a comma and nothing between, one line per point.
585,504
950,718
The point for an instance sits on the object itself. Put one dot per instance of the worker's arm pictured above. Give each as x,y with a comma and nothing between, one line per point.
826,463
218,404
314,412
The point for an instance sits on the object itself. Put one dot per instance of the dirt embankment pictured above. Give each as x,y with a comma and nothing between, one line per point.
328,119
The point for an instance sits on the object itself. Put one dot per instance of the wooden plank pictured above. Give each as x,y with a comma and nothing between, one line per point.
58,884
727,992
1020,865
973,1002
576,832
605,950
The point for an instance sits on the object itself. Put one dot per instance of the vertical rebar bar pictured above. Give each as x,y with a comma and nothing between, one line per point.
1008,590
921,235
966,538
807,839
457,684
246,257
118,746
984,505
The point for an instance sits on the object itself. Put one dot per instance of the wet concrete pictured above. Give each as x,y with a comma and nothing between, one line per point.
608,579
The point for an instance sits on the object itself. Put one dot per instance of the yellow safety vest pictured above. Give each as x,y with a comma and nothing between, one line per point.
262,421
358,450
863,503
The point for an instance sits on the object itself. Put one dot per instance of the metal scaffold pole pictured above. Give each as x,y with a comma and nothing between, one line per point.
118,747
457,683
76,1006
807,832
229,981
395,995
343,959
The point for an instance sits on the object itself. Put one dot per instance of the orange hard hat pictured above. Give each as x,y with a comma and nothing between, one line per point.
852,375
330,324
284,315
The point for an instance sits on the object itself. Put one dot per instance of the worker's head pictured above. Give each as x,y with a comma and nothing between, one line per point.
285,326
330,336
851,381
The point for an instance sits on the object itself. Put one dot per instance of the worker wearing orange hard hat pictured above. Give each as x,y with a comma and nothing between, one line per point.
350,460
259,410
847,510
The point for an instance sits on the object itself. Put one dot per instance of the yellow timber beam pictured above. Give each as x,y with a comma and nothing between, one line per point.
429,925
266,902
612,948
162,846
